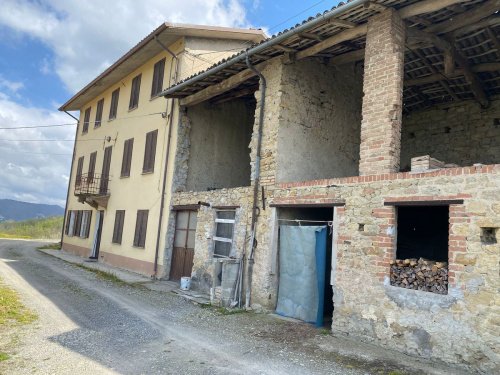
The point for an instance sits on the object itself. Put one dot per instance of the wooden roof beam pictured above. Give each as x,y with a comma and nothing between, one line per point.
284,48
312,36
342,23
494,40
466,18
459,72
348,57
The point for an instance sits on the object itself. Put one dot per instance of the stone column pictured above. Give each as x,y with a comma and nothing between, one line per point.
383,94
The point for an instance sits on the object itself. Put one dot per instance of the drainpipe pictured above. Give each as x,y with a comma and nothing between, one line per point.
255,209
169,137
69,180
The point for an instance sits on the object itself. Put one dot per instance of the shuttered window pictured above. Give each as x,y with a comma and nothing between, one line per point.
113,109
79,170
118,228
134,92
127,157
68,220
85,223
140,228
98,113
159,70
86,120
149,152
93,157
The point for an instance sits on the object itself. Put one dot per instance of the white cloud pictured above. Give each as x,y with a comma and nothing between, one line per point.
33,171
87,36
12,86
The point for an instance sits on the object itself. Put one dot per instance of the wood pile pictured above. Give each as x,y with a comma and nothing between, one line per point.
420,274
425,163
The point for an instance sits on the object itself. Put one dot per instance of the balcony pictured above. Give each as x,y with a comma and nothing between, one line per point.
92,189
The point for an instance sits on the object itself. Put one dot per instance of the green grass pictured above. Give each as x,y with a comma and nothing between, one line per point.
103,275
11,308
49,228
50,246
4,356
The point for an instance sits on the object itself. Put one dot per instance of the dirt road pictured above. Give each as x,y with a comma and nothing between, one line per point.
91,326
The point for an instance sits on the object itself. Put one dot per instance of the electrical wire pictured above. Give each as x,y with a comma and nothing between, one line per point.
37,126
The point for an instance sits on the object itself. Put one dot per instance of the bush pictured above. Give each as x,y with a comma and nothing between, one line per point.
47,228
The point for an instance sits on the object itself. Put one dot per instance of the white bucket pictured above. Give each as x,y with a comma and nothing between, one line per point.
185,283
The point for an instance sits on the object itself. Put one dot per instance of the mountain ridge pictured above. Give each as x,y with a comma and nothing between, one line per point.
11,209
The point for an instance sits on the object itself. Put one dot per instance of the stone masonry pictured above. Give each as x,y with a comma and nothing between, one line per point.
383,94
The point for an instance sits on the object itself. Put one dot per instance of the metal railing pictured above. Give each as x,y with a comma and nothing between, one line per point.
91,184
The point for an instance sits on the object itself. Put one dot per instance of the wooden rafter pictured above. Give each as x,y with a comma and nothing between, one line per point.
494,40
312,36
459,72
342,23
466,18
284,48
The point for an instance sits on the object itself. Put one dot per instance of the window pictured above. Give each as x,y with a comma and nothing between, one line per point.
159,70
127,157
118,228
78,223
224,228
71,224
140,228
86,120
422,248
134,92
114,104
90,176
85,223
98,113
149,152
79,170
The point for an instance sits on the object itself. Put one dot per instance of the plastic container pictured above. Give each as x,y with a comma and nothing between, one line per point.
185,283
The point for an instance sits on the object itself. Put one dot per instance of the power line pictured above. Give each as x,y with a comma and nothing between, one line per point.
49,140
37,126
37,153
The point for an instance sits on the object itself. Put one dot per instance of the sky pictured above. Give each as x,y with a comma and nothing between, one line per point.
50,49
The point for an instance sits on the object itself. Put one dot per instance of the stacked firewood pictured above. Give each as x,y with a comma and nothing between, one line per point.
420,274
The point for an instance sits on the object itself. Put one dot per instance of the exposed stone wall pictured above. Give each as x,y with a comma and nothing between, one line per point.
460,327
460,133
383,94
203,256
320,121
219,137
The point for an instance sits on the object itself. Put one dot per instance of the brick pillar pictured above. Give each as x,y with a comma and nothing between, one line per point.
383,94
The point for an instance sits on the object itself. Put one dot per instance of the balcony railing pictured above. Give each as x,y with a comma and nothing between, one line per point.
91,185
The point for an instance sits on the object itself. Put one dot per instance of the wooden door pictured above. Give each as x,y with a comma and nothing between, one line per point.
106,164
183,251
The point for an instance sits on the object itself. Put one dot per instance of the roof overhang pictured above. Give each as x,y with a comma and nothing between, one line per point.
338,36
167,34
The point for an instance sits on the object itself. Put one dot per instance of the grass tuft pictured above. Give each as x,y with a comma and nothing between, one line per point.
50,246
4,356
49,227
11,308
103,275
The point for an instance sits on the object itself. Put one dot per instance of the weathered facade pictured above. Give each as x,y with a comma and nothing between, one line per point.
343,115
123,158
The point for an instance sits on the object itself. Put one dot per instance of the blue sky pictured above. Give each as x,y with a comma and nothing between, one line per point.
49,49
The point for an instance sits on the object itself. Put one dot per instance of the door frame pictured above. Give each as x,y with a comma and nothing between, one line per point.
96,244
190,210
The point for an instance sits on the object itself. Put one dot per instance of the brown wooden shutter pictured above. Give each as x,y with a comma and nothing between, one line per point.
106,165
159,70
113,109
149,152
79,170
98,113
141,228
118,228
68,218
127,157
86,121
134,92
92,160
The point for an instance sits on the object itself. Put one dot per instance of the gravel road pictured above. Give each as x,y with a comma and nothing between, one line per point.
87,325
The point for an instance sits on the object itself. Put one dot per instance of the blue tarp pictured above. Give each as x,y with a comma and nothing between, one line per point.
302,272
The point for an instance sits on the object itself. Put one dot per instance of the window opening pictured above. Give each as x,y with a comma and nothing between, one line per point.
224,230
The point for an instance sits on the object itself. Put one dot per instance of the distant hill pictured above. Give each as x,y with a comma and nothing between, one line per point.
16,210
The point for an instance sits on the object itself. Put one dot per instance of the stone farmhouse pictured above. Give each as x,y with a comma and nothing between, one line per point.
346,172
